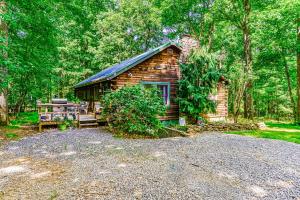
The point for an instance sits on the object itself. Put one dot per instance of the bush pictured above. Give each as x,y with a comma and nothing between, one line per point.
134,110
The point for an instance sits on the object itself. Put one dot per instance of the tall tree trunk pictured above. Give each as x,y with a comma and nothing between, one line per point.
288,78
3,68
248,95
298,68
237,102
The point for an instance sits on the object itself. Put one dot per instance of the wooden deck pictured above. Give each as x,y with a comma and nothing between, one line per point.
84,121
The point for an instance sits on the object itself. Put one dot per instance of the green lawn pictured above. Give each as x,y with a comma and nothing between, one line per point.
282,125
277,131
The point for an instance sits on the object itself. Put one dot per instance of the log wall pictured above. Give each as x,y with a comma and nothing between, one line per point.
163,67
222,104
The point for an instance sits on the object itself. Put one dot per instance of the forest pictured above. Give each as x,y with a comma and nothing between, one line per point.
48,46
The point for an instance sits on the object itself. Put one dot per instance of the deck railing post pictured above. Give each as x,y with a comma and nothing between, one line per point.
78,113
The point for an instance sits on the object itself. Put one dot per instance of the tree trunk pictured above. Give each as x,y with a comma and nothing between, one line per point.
3,68
237,102
288,78
20,103
248,95
298,68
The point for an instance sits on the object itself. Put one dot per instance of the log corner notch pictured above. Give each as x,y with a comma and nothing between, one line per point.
3,69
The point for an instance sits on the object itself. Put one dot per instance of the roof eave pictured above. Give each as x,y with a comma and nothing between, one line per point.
89,83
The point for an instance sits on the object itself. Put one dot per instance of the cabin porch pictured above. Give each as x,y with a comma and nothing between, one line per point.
60,111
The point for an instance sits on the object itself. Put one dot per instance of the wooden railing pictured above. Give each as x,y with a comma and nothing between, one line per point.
52,114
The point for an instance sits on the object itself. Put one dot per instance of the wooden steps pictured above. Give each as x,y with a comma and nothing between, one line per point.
87,121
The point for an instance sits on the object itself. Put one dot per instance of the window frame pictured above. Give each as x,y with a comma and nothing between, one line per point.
168,84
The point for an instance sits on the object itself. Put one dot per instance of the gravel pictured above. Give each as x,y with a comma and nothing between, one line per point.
91,164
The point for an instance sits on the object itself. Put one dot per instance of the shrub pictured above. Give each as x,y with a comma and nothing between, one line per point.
134,110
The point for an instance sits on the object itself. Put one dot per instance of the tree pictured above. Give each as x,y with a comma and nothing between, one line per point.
3,64
32,52
132,28
187,16
238,13
276,44
75,22
198,78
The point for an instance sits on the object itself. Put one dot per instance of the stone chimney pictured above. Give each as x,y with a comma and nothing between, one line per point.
188,43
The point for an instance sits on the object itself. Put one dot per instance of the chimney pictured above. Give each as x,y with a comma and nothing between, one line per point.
188,43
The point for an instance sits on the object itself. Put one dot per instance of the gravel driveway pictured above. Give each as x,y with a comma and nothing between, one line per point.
91,164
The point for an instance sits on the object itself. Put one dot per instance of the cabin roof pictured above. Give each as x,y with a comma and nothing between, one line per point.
117,69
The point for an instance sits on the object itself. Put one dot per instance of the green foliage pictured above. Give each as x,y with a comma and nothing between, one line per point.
64,123
62,127
32,51
25,118
52,45
198,79
132,28
134,110
170,123
11,136
183,16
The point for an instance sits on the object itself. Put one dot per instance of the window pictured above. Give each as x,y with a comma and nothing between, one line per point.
164,87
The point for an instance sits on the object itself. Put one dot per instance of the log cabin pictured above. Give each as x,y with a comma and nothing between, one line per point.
158,67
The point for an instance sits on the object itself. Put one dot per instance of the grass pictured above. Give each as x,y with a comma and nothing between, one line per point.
25,118
277,131
283,125
14,130
11,135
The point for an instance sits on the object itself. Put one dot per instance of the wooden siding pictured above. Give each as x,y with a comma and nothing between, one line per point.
92,93
163,67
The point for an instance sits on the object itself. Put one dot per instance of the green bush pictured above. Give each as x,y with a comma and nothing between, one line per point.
134,110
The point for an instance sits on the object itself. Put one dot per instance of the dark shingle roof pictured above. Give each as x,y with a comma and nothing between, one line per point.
115,70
